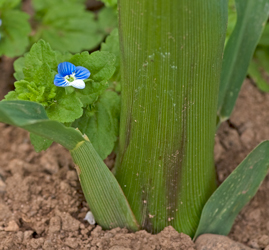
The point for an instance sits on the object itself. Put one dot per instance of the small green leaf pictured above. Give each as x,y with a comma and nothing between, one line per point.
39,54
67,107
100,64
14,32
40,143
234,193
102,126
251,19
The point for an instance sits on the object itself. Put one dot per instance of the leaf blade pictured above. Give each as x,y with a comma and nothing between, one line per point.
222,208
251,18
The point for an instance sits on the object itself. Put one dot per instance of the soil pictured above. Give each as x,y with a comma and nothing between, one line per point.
42,204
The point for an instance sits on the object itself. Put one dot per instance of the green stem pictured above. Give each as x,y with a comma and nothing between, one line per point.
171,61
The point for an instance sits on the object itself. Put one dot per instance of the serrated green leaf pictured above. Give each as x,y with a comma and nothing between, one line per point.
102,126
100,64
40,143
67,107
251,18
39,54
14,33
234,193
69,27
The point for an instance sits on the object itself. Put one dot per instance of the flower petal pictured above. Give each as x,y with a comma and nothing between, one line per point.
82,73
79,84
60,81
66,68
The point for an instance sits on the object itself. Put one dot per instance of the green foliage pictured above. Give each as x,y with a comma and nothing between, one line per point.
14,29
67,26
251,17
35,73
9,4
234,193
259,66
101,123
32,117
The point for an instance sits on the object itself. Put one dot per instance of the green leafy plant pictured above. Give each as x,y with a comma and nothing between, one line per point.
67,26
167,63
14,29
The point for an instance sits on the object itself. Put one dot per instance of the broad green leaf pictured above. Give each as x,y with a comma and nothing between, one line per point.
40,143
69,27
102,125
251,18
102,191
14,32
234,193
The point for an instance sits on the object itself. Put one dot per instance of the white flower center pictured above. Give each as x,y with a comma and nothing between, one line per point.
70,78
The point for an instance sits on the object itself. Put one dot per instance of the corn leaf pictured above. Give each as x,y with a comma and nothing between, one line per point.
251,19
234,193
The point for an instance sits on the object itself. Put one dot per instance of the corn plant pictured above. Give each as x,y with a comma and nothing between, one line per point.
177,83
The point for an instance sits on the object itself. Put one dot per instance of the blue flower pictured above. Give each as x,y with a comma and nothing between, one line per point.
70,75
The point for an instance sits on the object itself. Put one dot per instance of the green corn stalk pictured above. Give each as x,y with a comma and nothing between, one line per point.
171,63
